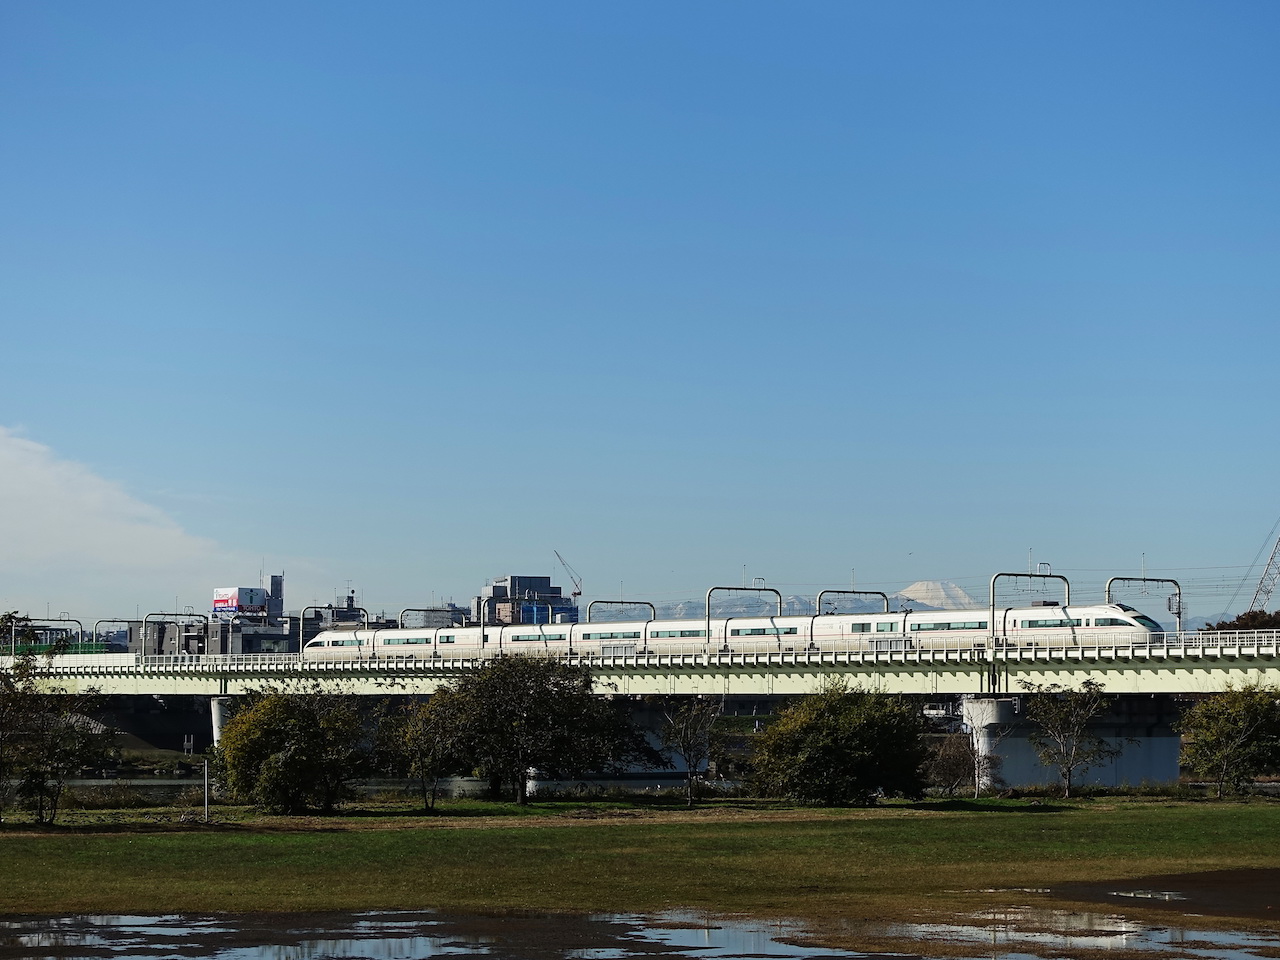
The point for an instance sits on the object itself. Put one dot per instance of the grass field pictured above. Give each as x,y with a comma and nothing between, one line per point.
906,861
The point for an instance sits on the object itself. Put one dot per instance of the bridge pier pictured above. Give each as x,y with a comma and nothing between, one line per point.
219,707
988,720
1141,725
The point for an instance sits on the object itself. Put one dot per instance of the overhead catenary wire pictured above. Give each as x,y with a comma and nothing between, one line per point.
1271,539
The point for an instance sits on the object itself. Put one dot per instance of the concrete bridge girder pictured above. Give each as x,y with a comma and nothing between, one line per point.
942,672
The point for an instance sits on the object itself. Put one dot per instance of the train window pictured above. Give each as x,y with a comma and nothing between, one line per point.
679,633
763,632
416,640
970,625
1148,622
1111,622
859,628
612,636
445,638
537,636
886,628
1040,624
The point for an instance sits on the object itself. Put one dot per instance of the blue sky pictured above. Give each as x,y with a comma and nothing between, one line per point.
411,295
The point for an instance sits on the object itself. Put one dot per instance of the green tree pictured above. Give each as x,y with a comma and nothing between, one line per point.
1249,620
60,737
519,713
688,731
47,734
842,746
17,693
958,759
292,751
428,739
1231,738
1061,734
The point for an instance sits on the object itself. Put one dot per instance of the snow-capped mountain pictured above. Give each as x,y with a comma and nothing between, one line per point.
936,595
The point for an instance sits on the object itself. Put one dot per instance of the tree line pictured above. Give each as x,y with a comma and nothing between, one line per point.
299,750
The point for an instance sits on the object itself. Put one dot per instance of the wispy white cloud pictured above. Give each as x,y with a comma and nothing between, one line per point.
70,537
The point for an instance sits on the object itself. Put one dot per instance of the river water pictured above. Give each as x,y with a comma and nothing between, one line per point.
1021,934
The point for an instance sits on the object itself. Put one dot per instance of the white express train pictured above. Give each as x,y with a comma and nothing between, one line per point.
1049,625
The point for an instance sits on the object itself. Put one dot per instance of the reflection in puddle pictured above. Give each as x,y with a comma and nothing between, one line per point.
1018,934
1150,894
403,935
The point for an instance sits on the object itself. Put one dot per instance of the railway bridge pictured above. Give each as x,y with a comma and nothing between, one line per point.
1172,663
985,676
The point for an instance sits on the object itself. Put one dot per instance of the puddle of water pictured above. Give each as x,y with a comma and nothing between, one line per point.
401,936
1023,932
1223,893
1150,894
1008,934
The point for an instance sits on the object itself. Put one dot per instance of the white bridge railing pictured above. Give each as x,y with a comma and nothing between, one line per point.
889,648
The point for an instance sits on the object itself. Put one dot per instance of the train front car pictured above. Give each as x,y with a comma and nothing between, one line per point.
338,645
1051,625
1131,625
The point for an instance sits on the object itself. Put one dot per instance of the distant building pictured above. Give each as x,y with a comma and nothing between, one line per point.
346,615
249,620
513,599
428,618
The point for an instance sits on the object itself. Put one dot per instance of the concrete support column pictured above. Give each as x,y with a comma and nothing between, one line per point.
989,720
218,709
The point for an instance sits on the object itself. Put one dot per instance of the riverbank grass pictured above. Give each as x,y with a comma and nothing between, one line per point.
899,860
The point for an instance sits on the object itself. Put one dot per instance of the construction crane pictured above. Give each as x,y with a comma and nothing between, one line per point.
573,575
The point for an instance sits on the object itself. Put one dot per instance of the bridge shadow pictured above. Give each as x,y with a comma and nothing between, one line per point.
969,805
140,828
